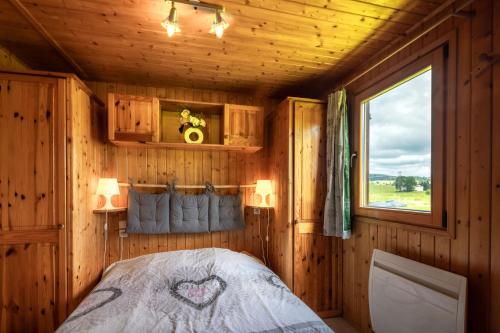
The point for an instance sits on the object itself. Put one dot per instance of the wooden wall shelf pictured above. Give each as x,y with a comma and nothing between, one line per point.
187,146
148,122
110,211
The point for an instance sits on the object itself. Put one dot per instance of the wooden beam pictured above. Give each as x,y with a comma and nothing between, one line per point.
48,37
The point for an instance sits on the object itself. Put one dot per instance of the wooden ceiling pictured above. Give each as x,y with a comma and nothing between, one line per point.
270,44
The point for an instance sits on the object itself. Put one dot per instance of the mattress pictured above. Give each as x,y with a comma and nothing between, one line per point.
205,290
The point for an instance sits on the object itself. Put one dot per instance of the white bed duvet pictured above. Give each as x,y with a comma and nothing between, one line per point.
207,290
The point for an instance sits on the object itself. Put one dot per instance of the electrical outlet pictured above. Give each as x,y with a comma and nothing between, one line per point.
256,211
122,231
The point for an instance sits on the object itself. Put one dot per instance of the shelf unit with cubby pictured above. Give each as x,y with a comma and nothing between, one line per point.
136,121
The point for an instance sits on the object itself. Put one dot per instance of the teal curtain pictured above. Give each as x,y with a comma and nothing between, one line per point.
337,217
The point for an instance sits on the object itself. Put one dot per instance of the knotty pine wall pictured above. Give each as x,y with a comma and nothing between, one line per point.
475,252
86,161
162,165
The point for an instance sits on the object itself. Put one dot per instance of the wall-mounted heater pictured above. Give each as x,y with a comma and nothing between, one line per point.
408,296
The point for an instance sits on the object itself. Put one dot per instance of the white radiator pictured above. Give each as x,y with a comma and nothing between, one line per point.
408,296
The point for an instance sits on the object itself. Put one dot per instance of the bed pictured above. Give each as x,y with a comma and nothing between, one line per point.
205,290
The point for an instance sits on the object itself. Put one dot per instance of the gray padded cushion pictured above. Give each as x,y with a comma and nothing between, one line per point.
225,212
148,213
188,213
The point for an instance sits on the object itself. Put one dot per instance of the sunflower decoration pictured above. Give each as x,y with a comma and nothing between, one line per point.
191,127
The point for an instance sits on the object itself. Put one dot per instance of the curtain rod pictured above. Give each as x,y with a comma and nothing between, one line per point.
455,13
184,186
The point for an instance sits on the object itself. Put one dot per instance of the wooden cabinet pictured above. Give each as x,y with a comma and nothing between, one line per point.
40,118
133,118
306,260
310,166
243,125
32,210
136,121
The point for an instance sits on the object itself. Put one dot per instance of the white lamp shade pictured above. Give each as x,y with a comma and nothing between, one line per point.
108,187
263,188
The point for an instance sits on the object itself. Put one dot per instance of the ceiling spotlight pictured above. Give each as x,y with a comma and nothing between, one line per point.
219,25
171,23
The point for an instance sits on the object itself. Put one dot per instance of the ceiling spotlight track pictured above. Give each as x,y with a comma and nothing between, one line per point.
171,23
200,4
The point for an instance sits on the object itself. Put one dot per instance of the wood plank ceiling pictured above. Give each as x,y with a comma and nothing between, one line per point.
270,44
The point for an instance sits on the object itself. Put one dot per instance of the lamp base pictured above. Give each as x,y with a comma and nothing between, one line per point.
108,205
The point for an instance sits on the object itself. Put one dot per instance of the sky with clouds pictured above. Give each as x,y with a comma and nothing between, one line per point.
400,129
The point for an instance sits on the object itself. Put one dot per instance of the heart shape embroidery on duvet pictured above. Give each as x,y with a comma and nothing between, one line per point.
199,294
108,298
274,281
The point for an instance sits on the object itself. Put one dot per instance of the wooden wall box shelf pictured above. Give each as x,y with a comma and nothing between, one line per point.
151,122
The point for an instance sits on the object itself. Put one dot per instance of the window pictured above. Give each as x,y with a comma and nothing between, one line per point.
398,136
400,133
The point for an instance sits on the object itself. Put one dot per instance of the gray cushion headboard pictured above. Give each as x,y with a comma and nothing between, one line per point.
188,213
225,212
148,213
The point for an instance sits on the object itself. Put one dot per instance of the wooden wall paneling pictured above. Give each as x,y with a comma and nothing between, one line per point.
86,161
186,167
402,242
414,245
460,245
198,179
363,267
480,177
495,185
472,252
207,175
280,133
348,280
231,179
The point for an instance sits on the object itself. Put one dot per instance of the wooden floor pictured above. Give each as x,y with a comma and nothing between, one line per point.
340,325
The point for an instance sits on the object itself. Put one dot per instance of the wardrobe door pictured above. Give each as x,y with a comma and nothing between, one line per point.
32,203
316,266
310,165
